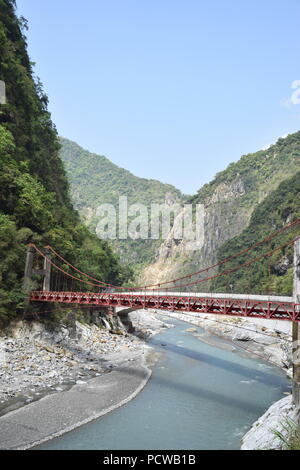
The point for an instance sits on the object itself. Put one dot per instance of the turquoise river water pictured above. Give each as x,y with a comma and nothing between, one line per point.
200,396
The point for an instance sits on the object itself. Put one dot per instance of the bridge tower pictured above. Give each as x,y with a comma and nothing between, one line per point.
29,270
296,328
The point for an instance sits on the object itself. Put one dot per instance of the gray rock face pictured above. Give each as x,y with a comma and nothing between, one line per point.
282,267
221,218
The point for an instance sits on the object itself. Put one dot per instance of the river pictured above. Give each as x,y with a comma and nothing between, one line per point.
200,396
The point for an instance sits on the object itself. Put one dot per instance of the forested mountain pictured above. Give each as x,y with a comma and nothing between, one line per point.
95,180
228,203
34,200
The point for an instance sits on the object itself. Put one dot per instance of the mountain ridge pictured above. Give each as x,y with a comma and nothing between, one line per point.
95,180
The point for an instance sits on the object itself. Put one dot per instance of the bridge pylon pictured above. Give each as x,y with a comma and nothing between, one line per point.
30,270
296,327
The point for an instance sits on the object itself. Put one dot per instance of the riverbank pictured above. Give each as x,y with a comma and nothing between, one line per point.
255,337
66,381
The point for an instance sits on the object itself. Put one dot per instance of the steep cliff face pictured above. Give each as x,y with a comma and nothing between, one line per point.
227,205
222,218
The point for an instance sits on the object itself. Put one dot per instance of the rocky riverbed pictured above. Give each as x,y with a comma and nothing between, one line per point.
36,360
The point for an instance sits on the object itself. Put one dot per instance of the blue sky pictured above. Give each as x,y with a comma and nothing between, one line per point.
168,89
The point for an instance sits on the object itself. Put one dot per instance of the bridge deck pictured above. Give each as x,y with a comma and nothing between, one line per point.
268,307
268,298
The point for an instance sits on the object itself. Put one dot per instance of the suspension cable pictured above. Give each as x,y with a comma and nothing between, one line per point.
226,260
248,263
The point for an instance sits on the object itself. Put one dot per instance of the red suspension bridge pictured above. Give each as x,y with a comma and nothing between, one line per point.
65,283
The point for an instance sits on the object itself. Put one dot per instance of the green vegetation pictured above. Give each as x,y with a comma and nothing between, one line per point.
294,441
275,273
291,438
34,200
258,170
95,180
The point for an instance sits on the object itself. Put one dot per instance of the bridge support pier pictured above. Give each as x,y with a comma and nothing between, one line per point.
47,272
28,267
296,328
29,271
296,364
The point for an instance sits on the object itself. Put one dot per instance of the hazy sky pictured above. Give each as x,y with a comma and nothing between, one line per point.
168,89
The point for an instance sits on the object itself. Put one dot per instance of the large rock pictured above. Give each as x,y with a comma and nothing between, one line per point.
278,418
145,321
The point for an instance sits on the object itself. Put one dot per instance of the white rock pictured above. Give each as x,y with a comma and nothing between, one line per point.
241,336
262,434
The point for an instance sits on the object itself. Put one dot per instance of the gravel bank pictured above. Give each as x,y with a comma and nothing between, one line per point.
67,379
56,414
